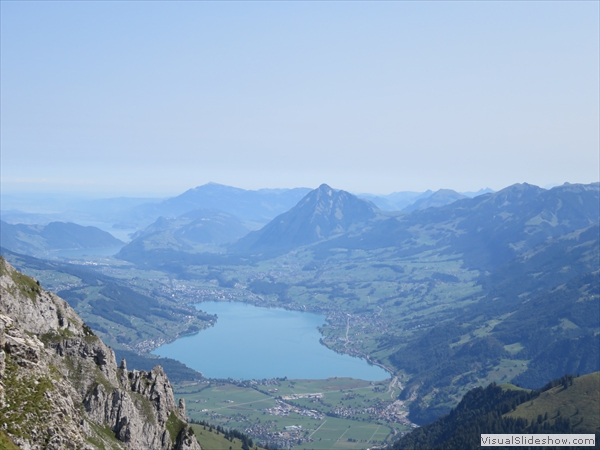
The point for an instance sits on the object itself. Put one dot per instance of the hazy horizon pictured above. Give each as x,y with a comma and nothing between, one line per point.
151,99
31,202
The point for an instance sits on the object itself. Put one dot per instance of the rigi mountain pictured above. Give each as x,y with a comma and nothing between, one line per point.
255,207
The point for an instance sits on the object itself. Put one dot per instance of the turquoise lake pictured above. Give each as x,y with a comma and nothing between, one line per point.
249,342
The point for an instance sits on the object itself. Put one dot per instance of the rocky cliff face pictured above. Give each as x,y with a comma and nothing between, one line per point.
60,387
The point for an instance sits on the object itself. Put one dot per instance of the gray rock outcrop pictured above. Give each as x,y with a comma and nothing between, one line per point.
60,387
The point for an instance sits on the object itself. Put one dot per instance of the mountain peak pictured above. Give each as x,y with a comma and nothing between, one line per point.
321,214
323,191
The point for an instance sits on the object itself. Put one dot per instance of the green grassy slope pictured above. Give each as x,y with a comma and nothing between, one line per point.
580,403
6,443
211,439
565,405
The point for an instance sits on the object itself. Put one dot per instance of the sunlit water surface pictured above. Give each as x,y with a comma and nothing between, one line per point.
249,342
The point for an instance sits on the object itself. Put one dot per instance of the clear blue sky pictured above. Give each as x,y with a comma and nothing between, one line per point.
155,98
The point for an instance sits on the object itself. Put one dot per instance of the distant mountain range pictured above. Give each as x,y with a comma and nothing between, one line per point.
395,201
256,207
439,198
320,215
489,229
38,239
398,201
107,210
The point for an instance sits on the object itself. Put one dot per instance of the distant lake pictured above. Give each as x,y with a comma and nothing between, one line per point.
81,253
119,233
249,342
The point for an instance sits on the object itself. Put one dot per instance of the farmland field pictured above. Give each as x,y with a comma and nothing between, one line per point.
319,414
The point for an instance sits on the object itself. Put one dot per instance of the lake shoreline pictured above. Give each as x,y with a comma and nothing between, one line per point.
265,343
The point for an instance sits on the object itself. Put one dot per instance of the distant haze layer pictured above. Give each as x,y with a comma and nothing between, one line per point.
150,98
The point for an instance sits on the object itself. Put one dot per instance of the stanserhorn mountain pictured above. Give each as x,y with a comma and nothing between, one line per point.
61,387
321,214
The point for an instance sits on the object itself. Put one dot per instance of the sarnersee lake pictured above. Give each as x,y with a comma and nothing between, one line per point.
250,342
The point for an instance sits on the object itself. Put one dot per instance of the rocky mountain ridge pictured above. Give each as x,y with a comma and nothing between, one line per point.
60,387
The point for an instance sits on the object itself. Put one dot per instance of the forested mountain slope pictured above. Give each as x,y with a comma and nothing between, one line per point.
566,405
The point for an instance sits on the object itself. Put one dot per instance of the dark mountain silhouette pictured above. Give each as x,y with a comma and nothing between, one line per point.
321,214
